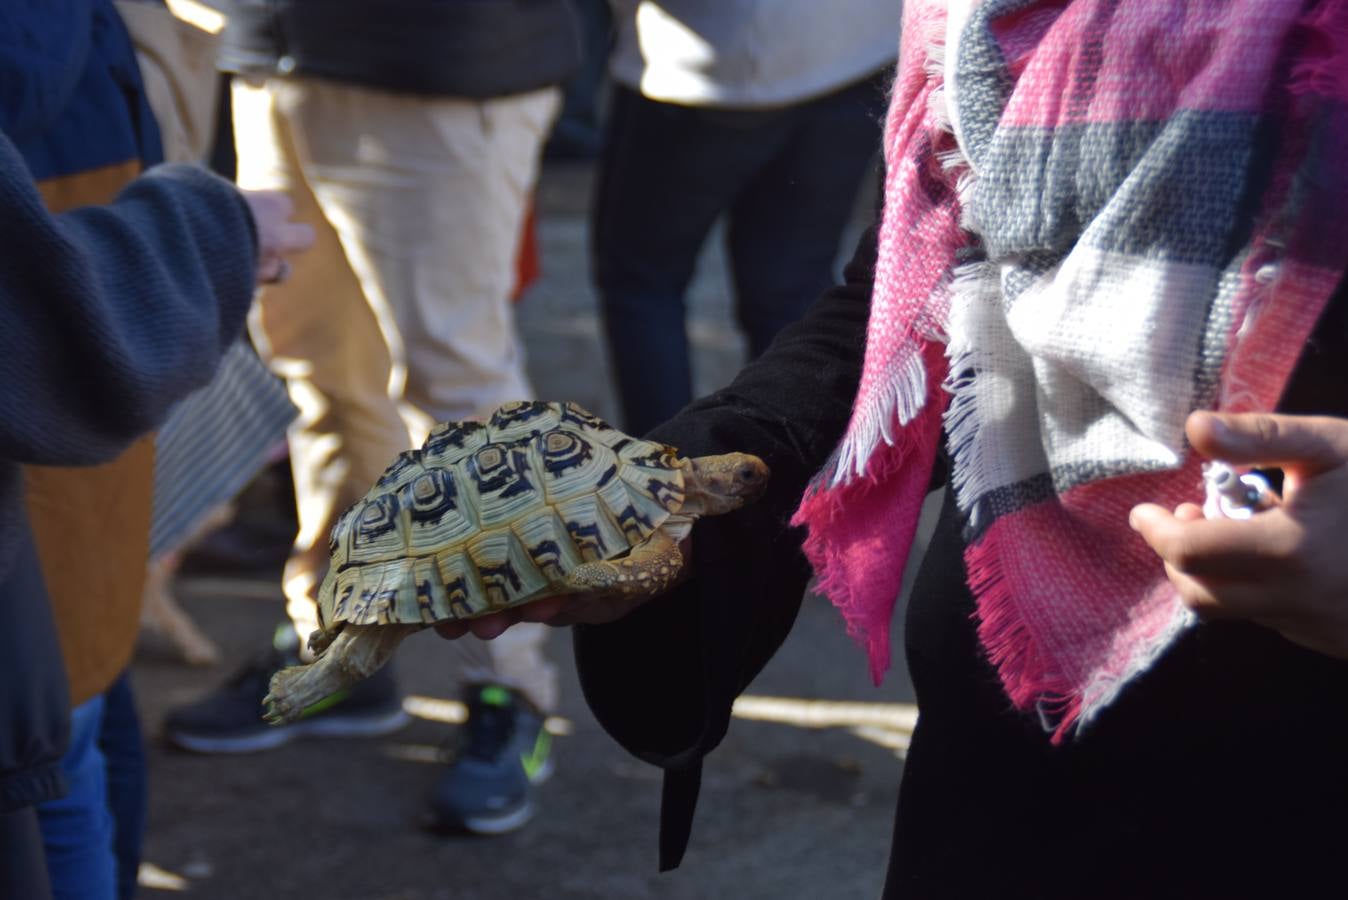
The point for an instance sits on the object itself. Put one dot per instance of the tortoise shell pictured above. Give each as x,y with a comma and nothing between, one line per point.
490,515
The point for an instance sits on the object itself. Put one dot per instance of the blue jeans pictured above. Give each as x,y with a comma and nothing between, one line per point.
77,829
123,748
786,179
92,835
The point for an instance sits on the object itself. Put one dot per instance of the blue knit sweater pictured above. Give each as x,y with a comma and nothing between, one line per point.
108,315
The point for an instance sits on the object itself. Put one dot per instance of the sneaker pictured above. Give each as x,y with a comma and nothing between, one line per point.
502,753
229,719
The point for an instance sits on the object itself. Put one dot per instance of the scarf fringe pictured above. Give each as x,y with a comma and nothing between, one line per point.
934,68
1027,675
828,559
952,159
971,282
1321,71
861,570
898,400
1104,687
1235,391
863,507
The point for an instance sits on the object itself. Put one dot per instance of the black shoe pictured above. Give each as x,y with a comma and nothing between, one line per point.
259,537
239,548
503,751
229,719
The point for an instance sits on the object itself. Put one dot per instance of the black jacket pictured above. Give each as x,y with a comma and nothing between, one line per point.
988,807
661,680
473,49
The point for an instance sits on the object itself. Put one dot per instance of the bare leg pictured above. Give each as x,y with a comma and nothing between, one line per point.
357,653
650,568
160,612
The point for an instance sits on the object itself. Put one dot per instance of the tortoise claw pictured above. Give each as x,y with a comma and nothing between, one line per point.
275,713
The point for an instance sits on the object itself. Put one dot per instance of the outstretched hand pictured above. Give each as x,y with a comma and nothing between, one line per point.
1284,568
277,236
598,608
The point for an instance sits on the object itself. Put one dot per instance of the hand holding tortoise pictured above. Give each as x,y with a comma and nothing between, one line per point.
543,504
589,608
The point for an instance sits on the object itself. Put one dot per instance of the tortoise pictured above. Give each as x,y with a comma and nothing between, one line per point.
541,499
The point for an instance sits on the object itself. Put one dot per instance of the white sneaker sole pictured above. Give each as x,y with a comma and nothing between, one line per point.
506,822
318,727
501,824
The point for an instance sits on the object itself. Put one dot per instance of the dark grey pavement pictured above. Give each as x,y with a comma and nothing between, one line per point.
797,803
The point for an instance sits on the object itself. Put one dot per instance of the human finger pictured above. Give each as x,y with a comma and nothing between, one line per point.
1196,595
273,270
600,610
1215,599
292,237
1305,444
1256,548
485,627
492,626
585,612
1310,635
279,203
1255,603
452,630
542,610
1189,512
277,234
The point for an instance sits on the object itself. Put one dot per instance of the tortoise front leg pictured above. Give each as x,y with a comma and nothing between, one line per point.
358,652
651,567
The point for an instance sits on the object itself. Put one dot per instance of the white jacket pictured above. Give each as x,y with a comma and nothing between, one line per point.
745,54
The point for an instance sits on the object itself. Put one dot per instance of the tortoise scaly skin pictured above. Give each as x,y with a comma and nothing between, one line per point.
541,499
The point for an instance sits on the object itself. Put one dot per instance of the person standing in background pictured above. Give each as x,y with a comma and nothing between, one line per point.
111,314
410,137
767,113
1098,244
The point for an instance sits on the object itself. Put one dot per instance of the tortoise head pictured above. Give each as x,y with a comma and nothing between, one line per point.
721,484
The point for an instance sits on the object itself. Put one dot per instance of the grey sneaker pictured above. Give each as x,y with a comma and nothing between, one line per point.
503,751
229,719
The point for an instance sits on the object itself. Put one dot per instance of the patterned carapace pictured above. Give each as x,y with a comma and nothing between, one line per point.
489,515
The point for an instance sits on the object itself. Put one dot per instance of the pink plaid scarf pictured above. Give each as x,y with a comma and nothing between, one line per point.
1066,269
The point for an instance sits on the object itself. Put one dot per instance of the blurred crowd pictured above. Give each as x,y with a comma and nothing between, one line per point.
383,168
1080,269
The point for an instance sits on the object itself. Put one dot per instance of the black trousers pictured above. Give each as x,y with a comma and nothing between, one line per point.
1219,773
785,179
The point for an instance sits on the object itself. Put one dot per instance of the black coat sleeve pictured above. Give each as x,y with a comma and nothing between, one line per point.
662,680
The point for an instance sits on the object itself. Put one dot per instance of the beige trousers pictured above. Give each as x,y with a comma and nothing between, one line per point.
400,315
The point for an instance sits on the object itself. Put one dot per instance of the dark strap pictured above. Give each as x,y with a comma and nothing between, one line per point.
678,802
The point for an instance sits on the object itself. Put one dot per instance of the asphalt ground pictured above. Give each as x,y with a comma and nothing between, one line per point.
797,803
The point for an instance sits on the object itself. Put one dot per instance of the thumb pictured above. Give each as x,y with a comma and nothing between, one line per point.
293,237
1306,445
